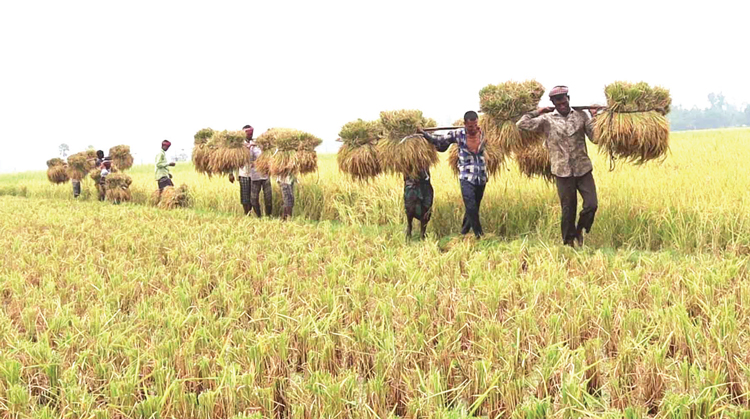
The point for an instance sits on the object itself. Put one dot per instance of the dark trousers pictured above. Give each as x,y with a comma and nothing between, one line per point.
164,182
566,190
102,191
255,187
76,187
472,195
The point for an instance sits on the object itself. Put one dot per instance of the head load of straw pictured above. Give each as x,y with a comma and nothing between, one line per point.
171,197
358,157
287,152
117,187
533,161
121,157
634,126
228,152
503,105
56,171
80,164
401,150
201,150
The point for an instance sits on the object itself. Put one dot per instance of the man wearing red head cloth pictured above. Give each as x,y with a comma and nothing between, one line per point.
162,175
566,130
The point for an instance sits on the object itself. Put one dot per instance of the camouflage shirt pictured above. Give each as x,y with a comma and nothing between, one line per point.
564,139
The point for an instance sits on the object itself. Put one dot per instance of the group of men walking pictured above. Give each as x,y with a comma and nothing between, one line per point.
104,165
565,133
252,182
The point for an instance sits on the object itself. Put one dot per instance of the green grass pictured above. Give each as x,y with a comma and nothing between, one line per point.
120,311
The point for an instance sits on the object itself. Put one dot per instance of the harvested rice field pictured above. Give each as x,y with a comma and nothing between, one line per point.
136,311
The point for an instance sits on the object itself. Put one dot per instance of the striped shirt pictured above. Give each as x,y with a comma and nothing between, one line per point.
472,167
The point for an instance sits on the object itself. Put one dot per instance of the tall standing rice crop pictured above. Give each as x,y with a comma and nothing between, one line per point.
634,127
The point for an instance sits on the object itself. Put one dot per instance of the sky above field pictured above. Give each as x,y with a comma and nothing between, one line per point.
106,73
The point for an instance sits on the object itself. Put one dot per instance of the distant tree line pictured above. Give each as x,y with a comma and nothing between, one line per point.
719,115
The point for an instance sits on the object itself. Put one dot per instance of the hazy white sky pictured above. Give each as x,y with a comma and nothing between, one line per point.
104,73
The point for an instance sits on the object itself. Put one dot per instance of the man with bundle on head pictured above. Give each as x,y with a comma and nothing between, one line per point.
106,169
472,167
98,166
251,181
565,130
163,177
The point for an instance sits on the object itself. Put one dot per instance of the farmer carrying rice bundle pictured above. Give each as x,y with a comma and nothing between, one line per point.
566,130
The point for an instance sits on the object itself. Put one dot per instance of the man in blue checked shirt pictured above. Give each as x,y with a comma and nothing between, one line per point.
471,165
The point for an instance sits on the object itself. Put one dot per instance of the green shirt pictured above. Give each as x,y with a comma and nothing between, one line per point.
162,166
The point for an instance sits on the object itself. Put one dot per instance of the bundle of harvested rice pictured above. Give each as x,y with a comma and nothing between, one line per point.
503,105
229,152
634,127
361,163
96,173
287,152
307,160
121,157
55,162
534,161
56,172
80,164
400,150
358,157
172,197
117,187
263,163
286,139
202,136
201,150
